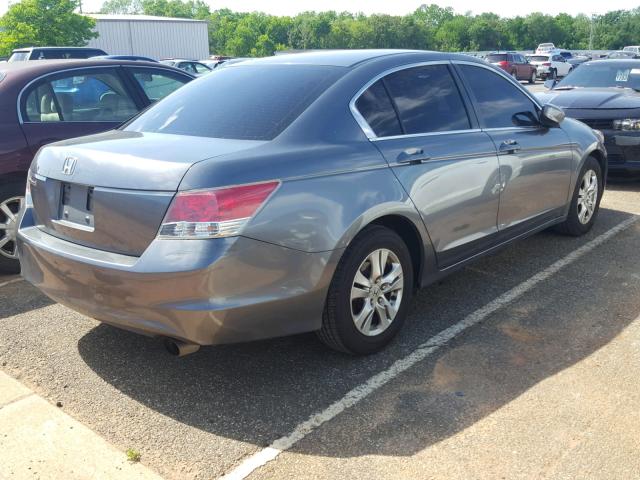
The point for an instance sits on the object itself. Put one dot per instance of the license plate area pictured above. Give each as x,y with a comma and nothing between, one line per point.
76,206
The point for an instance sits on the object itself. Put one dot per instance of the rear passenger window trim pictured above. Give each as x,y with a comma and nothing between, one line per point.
368,131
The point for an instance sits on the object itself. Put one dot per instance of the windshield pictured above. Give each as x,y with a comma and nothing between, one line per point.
497,57
538,58
601,75
245,102
18,57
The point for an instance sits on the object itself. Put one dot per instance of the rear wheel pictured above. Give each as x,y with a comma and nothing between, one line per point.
585,202
11,198
553,74
532,79
370,293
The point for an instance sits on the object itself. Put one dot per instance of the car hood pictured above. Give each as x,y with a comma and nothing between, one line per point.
592,98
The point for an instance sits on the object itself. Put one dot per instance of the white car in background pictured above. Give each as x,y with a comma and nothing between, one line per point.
545,48
632,48
550,65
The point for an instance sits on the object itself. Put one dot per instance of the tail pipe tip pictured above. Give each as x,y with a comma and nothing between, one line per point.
180,348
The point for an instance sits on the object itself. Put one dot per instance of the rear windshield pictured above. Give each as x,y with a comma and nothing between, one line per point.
538,58
244,102
497,58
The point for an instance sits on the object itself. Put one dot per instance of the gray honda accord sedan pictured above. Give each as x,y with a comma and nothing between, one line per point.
299,193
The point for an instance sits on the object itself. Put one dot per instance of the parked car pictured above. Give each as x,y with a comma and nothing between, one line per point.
604,94
191,66
514,64
302,202
632,48
573,60
42,102
53,53
550,65
124,57
545,48
622,55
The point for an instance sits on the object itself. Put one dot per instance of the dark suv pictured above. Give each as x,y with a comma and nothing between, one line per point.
514,64
53,53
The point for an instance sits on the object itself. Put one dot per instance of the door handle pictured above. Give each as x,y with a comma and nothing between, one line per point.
413,155
509,146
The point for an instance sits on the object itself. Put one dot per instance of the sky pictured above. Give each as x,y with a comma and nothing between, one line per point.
505,8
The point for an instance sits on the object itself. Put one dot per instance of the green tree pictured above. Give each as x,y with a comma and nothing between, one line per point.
44,23
176,8
121,7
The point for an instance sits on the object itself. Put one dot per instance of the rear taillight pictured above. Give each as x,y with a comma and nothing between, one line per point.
546,64
220,212
503,64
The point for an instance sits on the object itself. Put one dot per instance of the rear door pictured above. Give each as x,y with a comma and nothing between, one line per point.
535,161
447,165
75,103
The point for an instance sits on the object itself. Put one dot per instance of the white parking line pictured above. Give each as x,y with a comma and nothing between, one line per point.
9,282
260,458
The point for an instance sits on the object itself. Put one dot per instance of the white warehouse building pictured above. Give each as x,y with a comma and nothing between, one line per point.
155,37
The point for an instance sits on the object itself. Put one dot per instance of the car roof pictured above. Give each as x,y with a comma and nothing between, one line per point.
35,68
27,49
336,58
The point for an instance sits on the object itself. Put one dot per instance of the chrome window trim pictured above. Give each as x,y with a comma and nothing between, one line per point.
21,121
370,134
427,134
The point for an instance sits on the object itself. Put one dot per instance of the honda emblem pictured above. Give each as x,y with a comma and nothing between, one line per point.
69,165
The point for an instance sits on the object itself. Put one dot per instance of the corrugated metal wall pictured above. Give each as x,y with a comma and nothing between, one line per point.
155,39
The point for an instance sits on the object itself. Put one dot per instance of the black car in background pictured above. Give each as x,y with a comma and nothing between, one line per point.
605,94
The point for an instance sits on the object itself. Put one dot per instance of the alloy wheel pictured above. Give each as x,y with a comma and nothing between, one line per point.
376,292
587,196
9,210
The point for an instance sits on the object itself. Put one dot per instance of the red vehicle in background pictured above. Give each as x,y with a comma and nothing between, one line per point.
514,64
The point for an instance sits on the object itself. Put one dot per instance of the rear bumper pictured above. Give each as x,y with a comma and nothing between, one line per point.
201,291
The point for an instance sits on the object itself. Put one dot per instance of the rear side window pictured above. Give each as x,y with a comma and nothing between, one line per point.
157,84
249,102
376,108
499,103
427,100
97,96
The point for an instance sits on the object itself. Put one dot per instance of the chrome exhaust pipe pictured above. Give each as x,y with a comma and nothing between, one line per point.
180,348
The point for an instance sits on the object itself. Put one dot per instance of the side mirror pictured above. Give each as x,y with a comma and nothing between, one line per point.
552,115
549,84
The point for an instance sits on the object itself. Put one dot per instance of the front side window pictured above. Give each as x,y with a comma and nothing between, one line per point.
200,68
376,108
427,100
156,84
92,97
499,103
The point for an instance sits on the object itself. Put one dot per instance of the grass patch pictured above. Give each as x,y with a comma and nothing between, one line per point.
133,455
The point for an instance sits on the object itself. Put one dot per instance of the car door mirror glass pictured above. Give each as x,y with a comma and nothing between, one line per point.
552,115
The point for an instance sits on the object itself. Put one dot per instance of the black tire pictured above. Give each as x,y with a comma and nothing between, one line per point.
572,225
338,330
7,191
554,74
533,78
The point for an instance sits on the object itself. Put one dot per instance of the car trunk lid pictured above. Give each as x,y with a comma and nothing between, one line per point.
111,191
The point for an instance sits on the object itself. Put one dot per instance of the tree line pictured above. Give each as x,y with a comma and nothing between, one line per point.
429,27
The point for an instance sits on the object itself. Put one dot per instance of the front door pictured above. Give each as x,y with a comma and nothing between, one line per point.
73,104
535,160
